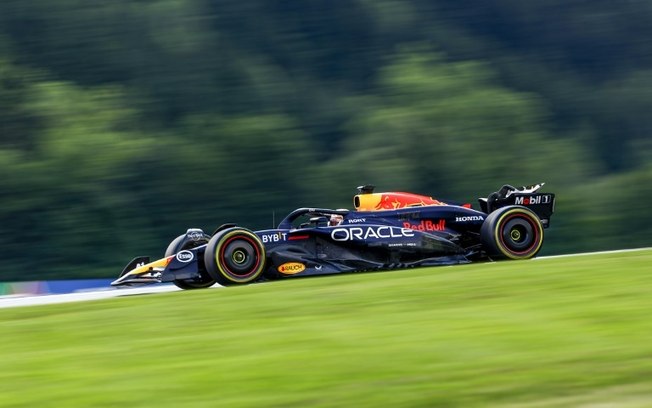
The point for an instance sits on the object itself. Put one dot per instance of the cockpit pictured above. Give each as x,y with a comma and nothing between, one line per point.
313,217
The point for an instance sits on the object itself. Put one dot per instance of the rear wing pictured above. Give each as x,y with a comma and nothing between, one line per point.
542,204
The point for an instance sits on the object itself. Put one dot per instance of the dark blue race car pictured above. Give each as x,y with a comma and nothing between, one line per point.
385,231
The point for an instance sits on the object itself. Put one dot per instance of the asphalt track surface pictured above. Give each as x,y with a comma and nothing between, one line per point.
18,301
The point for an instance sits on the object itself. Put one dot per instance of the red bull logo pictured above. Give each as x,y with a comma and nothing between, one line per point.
427,225
392,201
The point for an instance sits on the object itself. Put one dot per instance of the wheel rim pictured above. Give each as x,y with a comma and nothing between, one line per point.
519,235
239,257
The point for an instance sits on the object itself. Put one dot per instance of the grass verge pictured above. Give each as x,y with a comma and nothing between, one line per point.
541,333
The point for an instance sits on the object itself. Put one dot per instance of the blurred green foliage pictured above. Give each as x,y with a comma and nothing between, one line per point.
123,123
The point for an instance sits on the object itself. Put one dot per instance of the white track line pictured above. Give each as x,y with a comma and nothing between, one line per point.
16,301
617,251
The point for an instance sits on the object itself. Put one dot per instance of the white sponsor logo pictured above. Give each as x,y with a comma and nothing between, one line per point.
278,237
185,256
469,218
195,235
350,234
533,200
357,220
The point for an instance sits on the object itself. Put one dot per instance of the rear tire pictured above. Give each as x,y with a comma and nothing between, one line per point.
183,242
235,256
512,232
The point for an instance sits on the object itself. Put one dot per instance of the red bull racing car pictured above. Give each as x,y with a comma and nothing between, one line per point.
384,231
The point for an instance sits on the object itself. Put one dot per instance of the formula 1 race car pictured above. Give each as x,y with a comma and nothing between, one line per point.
385,231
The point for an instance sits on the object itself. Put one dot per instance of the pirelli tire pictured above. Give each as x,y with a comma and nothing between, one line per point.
512,232
184,242
235,256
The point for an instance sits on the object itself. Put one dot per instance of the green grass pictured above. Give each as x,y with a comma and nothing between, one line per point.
560,332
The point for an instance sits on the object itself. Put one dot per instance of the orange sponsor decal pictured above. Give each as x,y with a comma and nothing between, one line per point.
291,268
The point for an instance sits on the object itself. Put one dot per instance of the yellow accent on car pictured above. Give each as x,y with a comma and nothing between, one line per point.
161,263
366,202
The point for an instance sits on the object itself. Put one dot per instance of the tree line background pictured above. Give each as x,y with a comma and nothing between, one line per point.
124,122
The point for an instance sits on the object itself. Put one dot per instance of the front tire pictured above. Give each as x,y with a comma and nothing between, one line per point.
184,242
512,232
235,256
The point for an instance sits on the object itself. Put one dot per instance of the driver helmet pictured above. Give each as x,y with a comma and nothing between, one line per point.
335,220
